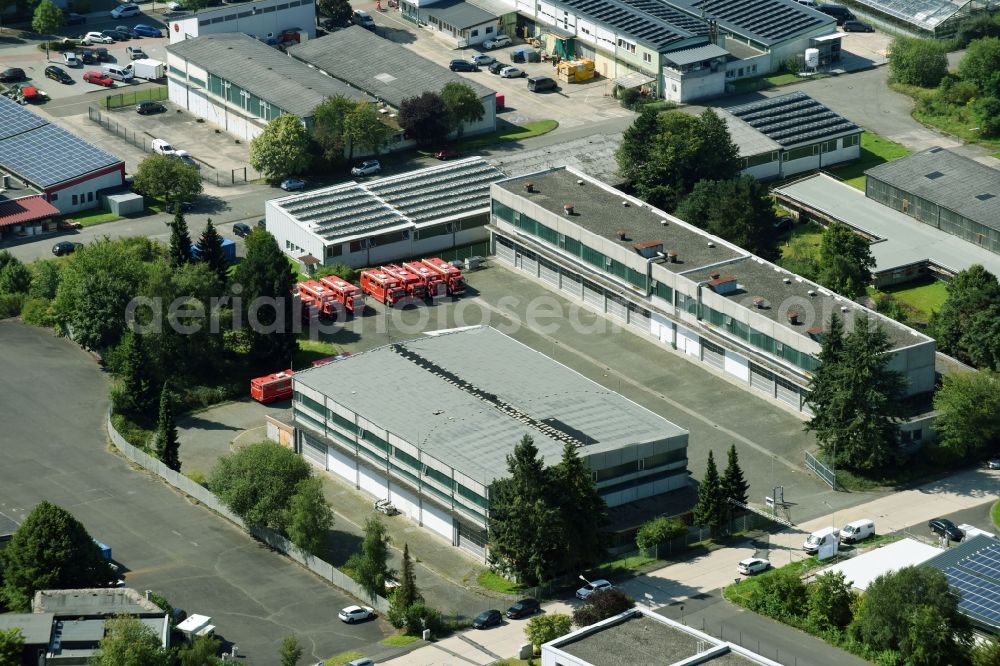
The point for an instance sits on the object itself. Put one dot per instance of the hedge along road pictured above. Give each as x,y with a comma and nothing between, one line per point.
55,448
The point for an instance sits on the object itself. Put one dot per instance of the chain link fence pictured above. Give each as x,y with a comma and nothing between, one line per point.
133,97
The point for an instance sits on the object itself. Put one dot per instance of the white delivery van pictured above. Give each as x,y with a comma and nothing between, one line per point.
827,536
118,73
857,530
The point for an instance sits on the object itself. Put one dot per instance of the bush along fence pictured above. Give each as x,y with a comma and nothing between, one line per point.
144,142
319,567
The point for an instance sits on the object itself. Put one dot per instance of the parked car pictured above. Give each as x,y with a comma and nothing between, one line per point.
752,565
146,108
70,59
541,83
173,206
125,30
598,585
86,56
481,59
101,54
135,52
57,74
512,73
367,168
364,19
852,25
72,18
993,463
486,619
185,156
161,147
12,75
113,35
364,661
331,25
945,528
523,608
463,66
446,154
857,530
497,42
98,78
175,6
496,66
241,229
143,30
98,38
292,184
353,614
65,247
125,10
839,12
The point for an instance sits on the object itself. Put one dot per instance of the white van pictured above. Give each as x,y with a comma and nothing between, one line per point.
118,73
857,530
824,537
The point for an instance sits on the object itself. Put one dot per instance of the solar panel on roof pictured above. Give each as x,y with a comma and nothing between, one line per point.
15,119
979,597
48,155
985,561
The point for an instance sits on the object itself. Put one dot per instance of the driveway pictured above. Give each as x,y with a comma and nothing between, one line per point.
55,449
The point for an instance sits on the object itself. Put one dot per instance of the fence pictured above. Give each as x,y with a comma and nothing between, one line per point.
821,470
157,94
319,567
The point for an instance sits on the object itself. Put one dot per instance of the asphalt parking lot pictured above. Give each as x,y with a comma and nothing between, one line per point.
55,449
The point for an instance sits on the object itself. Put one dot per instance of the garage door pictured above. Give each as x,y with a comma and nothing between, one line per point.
762,379
438,521
529,263
472,539
713,354
548,271
787,392
639,317
405,501
571,284
505,250
341,465
199,104
617,307
593,295
314,451
372,482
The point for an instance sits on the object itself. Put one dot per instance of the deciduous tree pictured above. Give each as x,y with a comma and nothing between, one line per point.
180,241
338,10
257,483
364,129
282,149
328,125
981,65
267,280
657,531
846,261
710,511
167,179
968,406
962,325
371,564
601,605
463,104
11,646
310,517
829,600
425,119
548,627
740,210
166,443
129,642
203,651
15,278
291,652
917,62
46,20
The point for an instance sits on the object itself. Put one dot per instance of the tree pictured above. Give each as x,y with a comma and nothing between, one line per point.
281,150
657,531
129,642
420,616
180,241
829,600
981,65
135,394
977,26
463,105
290,651
987,652
166,445
46,20
44,279
329,120
544,628
739,210
338,10
637,141
51,550
425,119
267,281
968,406
846,261
167,179
582,511
734,485
857,400
11,646
257,483
203,651
987,110
309,517
601,605
15,278
973,295
710,511
917,62
914,612
363,128
370,565
210,251
407,594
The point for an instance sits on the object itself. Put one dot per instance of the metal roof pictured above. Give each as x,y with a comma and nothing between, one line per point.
949,180
924,14
697,54
263,71
749,141
42,153
19,211
650,22
35,627
768,22
473,394
973,569
593,154
458,14
794,119
378,66
862,569
455,189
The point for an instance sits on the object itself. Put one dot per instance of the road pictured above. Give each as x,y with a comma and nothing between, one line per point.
55,448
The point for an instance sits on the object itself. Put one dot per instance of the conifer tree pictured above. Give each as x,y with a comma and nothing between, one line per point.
180,241
710,511
167,446
210,251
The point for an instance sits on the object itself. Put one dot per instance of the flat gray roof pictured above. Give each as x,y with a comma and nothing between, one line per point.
36,627
794,119
458,13
378,66
949,180
697,54
458,385
599,209
903,241
635,640
750,141
594,155
263,71
7,525
94,601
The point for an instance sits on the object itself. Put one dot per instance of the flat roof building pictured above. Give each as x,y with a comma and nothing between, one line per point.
973,571
751,321
469,401
262,19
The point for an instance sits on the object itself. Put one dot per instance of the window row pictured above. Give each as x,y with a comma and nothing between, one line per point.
758,339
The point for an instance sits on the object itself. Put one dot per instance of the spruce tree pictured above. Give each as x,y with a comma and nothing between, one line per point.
407,593
180,241
710,511
582,511
824,383
264,273
210,250
136,394
734,485
167,446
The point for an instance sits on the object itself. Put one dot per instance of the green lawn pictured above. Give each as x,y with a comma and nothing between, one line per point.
517,133
400,640
313,350
995,514
765,82
490,580
343,658
875,150
955,119
920,299
800,250
91,218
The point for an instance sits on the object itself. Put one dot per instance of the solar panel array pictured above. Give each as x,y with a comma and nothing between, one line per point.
15,119
985,562
649,21
769,20
48,155
441,192
979,598
793,119
926,14
343,211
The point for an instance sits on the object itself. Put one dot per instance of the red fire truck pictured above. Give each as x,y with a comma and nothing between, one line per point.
452,276
382,287
345,293
273,387
435,283
413,285
313,294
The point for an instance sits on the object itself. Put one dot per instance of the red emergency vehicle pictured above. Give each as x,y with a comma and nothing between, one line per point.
273,387
346,294
452,276
382,287
435,283
313,294
413,285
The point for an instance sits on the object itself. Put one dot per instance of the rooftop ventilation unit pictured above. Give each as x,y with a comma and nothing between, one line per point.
580,181
529,187
568,208
672,257
793,317
625,203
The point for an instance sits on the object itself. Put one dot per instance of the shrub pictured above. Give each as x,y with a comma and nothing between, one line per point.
38,312
629,98
602,605
419,616
10,305
544,628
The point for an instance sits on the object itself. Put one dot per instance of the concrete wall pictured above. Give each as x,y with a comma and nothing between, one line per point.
264,18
